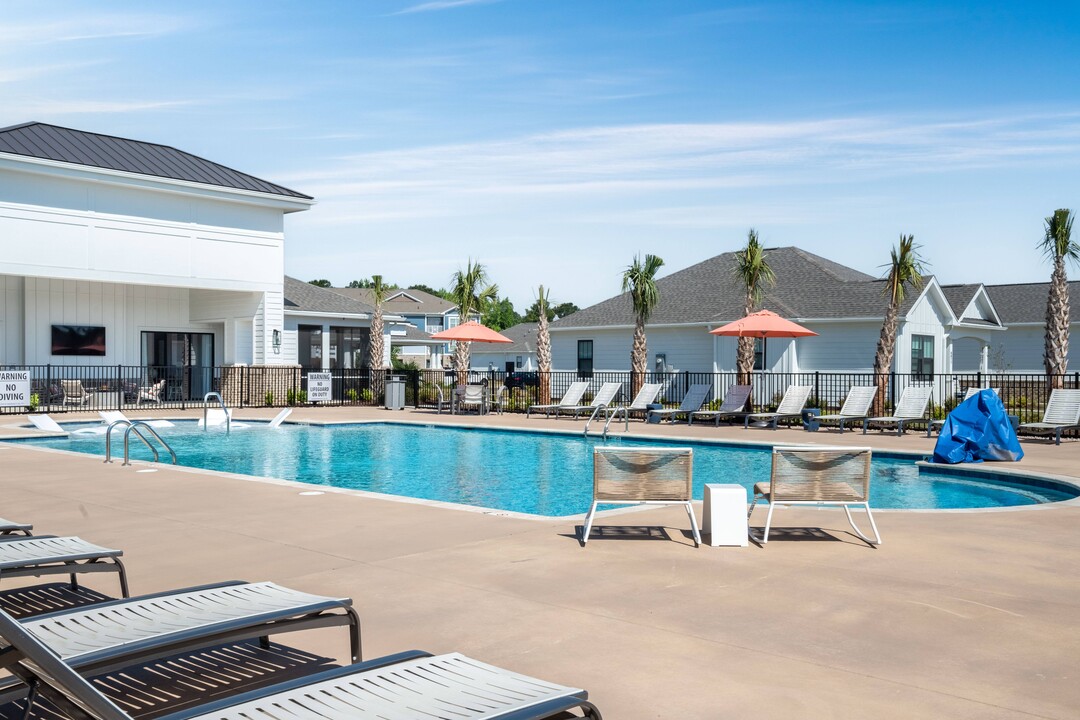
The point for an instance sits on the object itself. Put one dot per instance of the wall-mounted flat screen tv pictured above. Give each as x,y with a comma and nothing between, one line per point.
78,340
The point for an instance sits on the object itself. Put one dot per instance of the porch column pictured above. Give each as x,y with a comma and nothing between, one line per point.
325,359
984,358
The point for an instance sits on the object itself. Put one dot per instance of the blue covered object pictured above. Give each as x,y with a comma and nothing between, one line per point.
977,429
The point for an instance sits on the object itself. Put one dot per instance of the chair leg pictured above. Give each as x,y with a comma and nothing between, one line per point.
588,524
873,525
768,524
693,524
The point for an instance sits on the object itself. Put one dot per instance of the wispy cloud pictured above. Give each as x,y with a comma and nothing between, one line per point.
15,34
435,5
52,108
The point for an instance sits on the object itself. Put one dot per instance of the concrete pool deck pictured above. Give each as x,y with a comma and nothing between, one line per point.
956,615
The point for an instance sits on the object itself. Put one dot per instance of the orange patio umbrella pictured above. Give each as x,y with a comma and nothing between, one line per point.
763,324
471,331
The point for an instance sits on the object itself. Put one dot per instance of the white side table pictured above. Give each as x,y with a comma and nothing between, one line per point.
724,515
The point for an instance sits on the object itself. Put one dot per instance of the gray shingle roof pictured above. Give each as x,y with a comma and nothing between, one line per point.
429,304
51,142
1026,302
305,297
413,335
523,336
807,286
959,296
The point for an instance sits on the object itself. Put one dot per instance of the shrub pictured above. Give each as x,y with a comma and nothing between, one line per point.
35,400
291,396
366,395
351,395
268,398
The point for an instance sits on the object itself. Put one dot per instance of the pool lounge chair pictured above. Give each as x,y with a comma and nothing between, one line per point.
790,407
7,527
604,397
109,635
570,398
642,475
407,685
691,402
640,404
856,406
46,423
818,476
74,392
733,405
47,555
152,393
1062,413
910,408
968,394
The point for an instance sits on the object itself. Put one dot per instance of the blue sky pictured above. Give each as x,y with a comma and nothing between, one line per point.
553,140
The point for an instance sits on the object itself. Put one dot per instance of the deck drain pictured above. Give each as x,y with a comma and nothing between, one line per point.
313,492
146,470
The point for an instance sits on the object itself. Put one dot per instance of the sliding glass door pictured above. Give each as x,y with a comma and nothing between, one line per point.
184,360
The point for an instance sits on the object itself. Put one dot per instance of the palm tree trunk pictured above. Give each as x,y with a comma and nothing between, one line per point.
744,355
543,357
883,358
639,357
461,362
376,349
1056,344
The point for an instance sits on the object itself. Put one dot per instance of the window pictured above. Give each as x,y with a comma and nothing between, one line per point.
584,358
348,348
759,354
922,357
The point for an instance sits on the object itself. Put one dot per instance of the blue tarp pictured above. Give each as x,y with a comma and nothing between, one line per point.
978,429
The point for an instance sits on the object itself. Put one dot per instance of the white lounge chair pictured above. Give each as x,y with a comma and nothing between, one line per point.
470,396
74,392
46,555
910,408
604,397
8,527
108,417
640,404
407,685
733,405
856,406
280,418
499,402
105,636
46,423
570,398
1062,413
790,407
642,475
818,476
152,393
692,401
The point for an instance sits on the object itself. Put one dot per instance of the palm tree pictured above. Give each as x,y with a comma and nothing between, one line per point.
376,349
753,271
639,279
543,346
1058,246
471,292
905,270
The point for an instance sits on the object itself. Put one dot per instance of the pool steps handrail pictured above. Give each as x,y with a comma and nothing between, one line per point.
134,427
206,407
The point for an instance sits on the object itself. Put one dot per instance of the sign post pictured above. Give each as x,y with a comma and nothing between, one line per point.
319,387
14,388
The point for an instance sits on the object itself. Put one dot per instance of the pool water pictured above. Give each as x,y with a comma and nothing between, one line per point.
526,472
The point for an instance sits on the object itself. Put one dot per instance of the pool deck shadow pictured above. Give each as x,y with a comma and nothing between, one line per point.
957,615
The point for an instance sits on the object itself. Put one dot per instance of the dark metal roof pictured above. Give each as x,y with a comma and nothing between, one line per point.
1026,302
305,297
807,286
51,142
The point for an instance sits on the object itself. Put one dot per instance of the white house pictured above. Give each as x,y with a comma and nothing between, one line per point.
942,329
517,356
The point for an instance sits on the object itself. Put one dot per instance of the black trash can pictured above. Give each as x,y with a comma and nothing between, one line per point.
809,419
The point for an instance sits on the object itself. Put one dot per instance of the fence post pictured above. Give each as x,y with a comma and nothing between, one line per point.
979,380
892,389
119,386
1076,379
415,377
817,392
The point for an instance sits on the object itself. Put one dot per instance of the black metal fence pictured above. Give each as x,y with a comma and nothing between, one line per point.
74,388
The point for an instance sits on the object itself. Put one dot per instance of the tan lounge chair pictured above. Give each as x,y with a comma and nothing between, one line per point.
818,476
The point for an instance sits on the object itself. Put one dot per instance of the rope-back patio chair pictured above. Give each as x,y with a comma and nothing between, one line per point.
642,475
818,476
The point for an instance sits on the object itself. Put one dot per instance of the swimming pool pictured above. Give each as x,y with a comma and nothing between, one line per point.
519,471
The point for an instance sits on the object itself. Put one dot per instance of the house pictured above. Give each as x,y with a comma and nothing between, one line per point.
940,327
118,252
1023,310
428,313
518,356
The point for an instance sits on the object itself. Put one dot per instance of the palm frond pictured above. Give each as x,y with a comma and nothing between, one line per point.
1057,242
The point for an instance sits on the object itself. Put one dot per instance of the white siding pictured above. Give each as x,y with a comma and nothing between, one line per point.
124,310
11,320
1020,349
847,347
689,348
925,318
